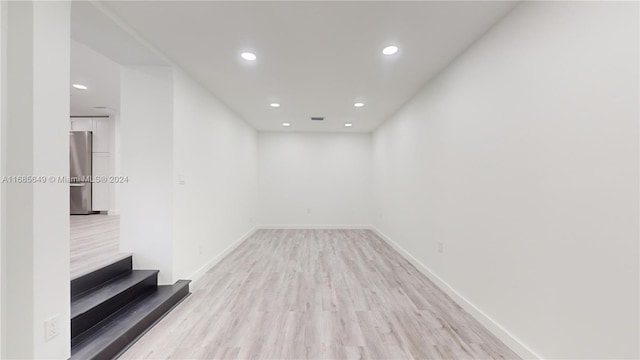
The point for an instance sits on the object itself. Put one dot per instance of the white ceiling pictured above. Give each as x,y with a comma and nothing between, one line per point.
99,46
314,58
100,75
94,26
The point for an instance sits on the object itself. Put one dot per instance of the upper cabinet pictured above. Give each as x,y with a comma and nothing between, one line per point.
100,128
101,135
81,124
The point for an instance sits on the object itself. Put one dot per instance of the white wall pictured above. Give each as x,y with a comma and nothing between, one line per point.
36,228
3,116
191,165
214,177
308,179
522,158
114,163
146,141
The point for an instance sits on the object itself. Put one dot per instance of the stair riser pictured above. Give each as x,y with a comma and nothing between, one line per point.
97,314
100,276
121,344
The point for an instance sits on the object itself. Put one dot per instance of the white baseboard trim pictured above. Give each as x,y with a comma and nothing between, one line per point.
196,276
113,212
312,227
505,336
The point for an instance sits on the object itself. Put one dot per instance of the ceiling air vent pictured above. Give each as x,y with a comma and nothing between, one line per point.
317,118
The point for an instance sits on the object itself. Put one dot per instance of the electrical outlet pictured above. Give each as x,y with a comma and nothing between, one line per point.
200,249
440,247
51,328
308,211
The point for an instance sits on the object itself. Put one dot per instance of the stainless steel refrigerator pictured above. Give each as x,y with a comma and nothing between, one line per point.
80,148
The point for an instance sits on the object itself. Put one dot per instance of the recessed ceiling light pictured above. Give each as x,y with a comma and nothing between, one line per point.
286,124
248,56
348,124
274,105
390,50
78,86
358,104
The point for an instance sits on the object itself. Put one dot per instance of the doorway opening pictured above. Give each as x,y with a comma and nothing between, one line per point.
94,163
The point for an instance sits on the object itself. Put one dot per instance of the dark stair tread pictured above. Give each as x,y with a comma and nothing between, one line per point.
108,338
108,290
96,278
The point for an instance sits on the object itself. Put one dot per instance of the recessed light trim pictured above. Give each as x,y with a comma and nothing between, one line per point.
390,50
358,104
274,105
249,56
79,86
286,124
348,124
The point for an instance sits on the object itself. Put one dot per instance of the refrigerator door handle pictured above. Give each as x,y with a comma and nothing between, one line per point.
83,184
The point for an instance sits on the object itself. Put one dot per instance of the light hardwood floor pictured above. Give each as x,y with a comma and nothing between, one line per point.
95,241
317,294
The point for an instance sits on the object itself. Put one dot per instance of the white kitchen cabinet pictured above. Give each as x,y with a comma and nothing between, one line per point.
82,124
99,126
100,190
101,135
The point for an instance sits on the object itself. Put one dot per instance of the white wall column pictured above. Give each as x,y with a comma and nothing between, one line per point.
146,148
114,164
36,227
3,110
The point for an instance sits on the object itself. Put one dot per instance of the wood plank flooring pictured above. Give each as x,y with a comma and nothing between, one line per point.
317,294
95,242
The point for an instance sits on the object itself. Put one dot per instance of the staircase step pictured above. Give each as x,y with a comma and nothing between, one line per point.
100,302
84,283
116,333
